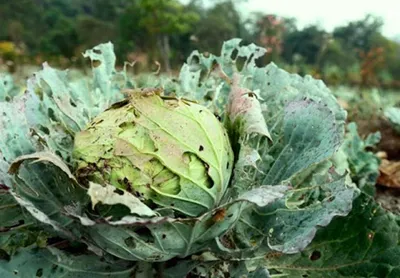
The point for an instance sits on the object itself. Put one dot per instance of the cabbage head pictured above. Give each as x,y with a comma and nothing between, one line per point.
168,152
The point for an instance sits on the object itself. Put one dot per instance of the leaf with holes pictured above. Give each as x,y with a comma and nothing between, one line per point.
56,263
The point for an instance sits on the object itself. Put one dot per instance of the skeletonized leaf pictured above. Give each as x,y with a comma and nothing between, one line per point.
108,195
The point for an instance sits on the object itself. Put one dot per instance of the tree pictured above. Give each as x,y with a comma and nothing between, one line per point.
161,19
359,34
217,24
308,42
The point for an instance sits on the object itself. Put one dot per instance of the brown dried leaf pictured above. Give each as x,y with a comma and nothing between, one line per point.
389,174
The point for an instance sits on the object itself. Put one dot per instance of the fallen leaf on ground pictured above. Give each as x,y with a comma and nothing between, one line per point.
389,174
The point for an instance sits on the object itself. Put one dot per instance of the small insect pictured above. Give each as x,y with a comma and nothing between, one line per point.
273,255
219,215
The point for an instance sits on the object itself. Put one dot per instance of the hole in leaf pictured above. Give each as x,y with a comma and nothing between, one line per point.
39,272
145,234
130,242
252,95
201,148
234,54
315,255
72,103
52,116
54,268
240,62
119,191
195,60
4,255
97,51
209,96
164,236
96,63
44,129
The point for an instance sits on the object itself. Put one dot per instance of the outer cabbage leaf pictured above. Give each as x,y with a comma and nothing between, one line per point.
56,263
46,117
8,89
289,226
280,97
18,227
364,244
359,161
44,186
208,79
306,125
162,238
58,106
393,115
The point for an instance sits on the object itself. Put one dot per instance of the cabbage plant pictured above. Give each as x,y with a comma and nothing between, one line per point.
231,170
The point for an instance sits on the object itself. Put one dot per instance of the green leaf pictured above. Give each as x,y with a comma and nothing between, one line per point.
366,243
163,238
306,124
55,263
310,135
289,225
45,187
362,164
393,115
18,228
57,106
8,89
15,137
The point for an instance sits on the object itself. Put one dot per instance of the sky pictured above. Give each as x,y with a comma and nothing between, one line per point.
330,14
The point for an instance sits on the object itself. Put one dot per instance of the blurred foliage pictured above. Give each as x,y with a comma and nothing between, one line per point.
161,33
